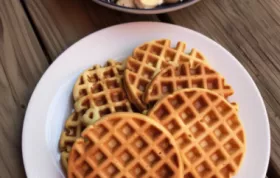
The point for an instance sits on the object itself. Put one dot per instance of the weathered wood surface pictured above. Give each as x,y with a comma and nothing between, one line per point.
61,23
250,31
22,62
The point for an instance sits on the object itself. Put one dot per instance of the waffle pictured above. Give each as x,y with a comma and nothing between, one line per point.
125,145
173,78
147,60
207,130
96,73
107,96
72,130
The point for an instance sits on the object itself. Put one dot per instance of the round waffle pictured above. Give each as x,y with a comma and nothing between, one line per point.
125,145
94,74
206,128
72,130
186,75
147,60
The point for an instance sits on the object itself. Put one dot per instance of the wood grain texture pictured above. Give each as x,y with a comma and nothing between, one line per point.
22,62
250,31
61,23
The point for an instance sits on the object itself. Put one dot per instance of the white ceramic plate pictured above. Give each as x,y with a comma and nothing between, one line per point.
51,101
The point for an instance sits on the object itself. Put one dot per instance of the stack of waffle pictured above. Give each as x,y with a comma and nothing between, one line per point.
161,113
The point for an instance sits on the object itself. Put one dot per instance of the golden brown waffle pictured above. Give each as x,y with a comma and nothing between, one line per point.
64,155
147,60
207,130
89,77
107,96
125,145
186,75
72,130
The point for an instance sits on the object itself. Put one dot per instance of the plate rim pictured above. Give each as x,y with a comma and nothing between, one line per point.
31,100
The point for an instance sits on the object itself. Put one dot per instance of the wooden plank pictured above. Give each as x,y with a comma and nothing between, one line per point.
61,23
250,31
22,62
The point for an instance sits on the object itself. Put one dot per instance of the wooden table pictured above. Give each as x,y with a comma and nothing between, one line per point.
34,32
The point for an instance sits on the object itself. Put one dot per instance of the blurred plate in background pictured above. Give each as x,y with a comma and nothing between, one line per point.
157,10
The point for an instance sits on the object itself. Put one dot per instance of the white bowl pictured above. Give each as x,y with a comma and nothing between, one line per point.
157,10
